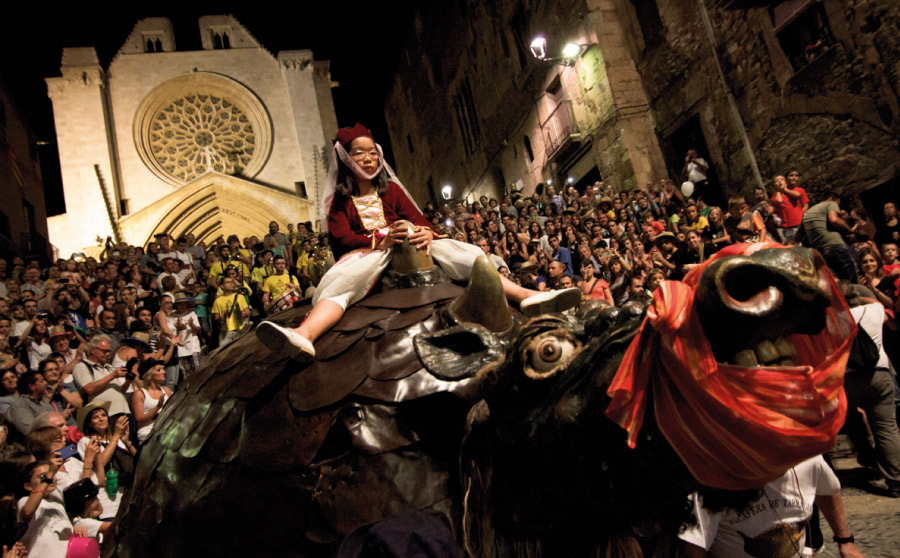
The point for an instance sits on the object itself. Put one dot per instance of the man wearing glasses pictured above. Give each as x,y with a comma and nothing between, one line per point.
99,381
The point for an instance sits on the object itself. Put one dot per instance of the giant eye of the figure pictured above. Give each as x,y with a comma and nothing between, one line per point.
549,352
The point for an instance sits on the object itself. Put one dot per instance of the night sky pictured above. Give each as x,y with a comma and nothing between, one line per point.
363,56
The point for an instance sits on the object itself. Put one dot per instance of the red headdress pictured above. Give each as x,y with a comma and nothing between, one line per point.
346,135
733,427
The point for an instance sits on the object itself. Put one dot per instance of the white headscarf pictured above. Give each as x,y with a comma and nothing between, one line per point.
331,182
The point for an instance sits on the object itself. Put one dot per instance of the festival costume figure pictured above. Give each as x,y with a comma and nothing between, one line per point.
363,228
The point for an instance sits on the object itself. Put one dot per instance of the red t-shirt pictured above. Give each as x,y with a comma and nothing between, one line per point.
789,209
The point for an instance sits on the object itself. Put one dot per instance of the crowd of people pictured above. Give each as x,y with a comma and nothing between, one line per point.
91,349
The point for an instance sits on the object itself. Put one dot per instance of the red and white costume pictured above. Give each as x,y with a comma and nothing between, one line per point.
356,224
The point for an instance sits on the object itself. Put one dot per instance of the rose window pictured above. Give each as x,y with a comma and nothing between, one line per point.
198,133
201,123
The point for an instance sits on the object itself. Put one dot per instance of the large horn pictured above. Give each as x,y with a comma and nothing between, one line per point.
483,301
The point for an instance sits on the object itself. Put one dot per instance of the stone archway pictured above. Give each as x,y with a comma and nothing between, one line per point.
215,205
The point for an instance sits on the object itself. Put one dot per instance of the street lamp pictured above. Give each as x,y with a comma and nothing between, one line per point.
570,53
539,47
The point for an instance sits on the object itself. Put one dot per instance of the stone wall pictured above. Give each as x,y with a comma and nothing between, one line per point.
836,119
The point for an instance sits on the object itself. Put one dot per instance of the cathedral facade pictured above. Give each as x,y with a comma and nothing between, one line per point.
217,141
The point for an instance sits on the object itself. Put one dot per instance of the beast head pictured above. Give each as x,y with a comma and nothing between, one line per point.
563,454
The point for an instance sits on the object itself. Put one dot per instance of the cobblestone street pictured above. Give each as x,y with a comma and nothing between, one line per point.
874,520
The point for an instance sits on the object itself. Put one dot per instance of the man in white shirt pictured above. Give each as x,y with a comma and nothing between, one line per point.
773,524
98,381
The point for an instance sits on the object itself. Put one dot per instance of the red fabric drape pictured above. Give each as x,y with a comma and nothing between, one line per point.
734,428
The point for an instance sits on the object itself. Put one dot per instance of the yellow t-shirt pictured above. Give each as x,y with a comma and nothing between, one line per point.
277,285
701,224
219,268
235,320
303,260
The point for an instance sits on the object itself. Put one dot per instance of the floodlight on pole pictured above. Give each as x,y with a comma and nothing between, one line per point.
571,51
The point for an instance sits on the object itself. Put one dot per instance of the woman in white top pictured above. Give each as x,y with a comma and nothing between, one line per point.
37,340
147,403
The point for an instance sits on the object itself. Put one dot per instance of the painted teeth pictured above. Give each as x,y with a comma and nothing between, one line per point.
766,352
746,358
779,352
785,349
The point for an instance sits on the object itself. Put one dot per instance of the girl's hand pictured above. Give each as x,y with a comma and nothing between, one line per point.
395,235
421,238
79,531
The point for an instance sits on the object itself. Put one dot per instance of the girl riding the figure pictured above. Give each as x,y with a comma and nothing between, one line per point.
368,212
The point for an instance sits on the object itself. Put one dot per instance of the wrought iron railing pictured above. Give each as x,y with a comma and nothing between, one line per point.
558,127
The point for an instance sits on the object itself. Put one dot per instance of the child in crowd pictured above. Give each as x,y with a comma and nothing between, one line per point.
40,507
85,509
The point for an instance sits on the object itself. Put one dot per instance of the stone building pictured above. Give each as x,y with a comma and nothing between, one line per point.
757,87
23,216
216,141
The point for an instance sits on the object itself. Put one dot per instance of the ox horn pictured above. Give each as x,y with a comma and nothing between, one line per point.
483,301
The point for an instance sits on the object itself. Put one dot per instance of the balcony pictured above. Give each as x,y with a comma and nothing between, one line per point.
559,130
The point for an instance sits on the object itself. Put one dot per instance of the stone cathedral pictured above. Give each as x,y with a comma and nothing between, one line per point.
217,141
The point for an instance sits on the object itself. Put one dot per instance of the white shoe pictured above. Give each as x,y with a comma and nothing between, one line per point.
283,340
549,302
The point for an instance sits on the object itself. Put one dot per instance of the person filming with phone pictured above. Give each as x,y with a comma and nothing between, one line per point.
99,382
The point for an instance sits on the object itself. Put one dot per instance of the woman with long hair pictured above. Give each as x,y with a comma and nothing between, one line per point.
593,287
147,402
116,449
124,315
640,258
369,213
514,252
872,276
717,232
36,340
618,280
570,238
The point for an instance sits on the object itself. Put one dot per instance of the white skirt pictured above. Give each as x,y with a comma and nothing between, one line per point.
348,281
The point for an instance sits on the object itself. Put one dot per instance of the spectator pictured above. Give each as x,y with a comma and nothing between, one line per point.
107,326
148,401
25,318
889,231
63,398
99,382
822,224
790,203
9,389
187,329
593,287
49,528
872,390
636,291
112,436
560,254
29,404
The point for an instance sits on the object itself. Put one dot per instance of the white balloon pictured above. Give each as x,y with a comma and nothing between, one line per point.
687,188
